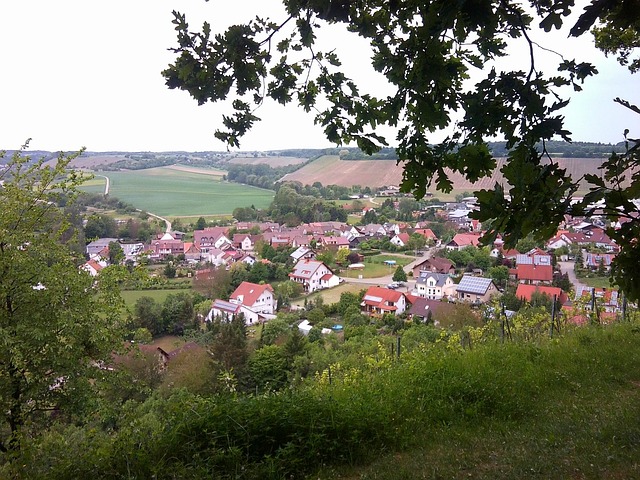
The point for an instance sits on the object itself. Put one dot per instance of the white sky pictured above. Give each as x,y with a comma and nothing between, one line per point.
85,73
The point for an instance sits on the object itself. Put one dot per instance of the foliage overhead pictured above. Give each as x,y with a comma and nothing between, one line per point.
428,52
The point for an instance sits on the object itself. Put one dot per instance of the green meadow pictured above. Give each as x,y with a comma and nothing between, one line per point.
173,192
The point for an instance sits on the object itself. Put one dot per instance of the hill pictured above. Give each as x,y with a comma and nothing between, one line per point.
331,170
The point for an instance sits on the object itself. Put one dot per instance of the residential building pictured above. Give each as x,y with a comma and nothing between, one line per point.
380,300
313,275
476,289
434,286
434,264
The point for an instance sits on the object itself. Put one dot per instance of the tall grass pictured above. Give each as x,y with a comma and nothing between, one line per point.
356,416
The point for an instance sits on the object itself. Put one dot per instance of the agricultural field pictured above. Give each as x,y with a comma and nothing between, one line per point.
329,170
180,191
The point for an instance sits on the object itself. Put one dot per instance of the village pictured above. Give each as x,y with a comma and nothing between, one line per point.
323,255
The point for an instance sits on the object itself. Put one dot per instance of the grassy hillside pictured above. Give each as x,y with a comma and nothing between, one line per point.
330,170
568,408
180,191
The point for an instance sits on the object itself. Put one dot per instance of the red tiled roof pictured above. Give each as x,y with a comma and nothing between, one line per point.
526,291
542,273
250,292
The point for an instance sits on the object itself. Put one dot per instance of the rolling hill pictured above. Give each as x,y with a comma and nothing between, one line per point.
331,170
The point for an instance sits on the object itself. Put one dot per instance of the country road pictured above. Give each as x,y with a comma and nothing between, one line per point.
107,183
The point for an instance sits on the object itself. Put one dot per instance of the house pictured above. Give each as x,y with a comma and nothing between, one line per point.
380,300
428,234
525,292
462,240
335,243
165,246
98,246
192,252
434,286
594,260
434,264
606,299
302,253
94,266
223,310
476,289
313,275
430,311
257,302
534,273
245,242
400,239
211,237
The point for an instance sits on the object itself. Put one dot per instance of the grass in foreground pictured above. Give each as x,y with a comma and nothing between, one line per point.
567,408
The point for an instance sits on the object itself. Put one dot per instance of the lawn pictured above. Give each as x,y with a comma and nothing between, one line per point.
375,267
173,192
331,295
130,297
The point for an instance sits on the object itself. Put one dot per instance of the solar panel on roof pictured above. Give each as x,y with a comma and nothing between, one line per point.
477,285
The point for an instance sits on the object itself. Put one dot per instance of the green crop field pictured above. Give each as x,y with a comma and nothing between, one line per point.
173,192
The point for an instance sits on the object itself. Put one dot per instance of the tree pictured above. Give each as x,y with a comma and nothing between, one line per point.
57,324
427,51
148,314
201,224
116,254
399,275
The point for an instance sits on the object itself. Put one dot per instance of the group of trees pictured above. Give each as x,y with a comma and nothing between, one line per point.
291,208
58,325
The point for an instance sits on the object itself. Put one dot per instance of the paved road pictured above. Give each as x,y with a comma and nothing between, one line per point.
568,268
106,186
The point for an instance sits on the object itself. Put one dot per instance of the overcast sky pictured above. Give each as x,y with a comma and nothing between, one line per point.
79,73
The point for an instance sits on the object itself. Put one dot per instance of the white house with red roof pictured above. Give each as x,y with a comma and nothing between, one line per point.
256,302
380,300
400,239
94,266
313,275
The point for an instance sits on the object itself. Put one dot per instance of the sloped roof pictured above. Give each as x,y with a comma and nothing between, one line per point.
225,306
475,285
306,268
250,292
380,297
526,291
543,273
440,278
422,306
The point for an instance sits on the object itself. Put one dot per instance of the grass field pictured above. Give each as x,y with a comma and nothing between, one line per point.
375,267
331,295
180,192
130,297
